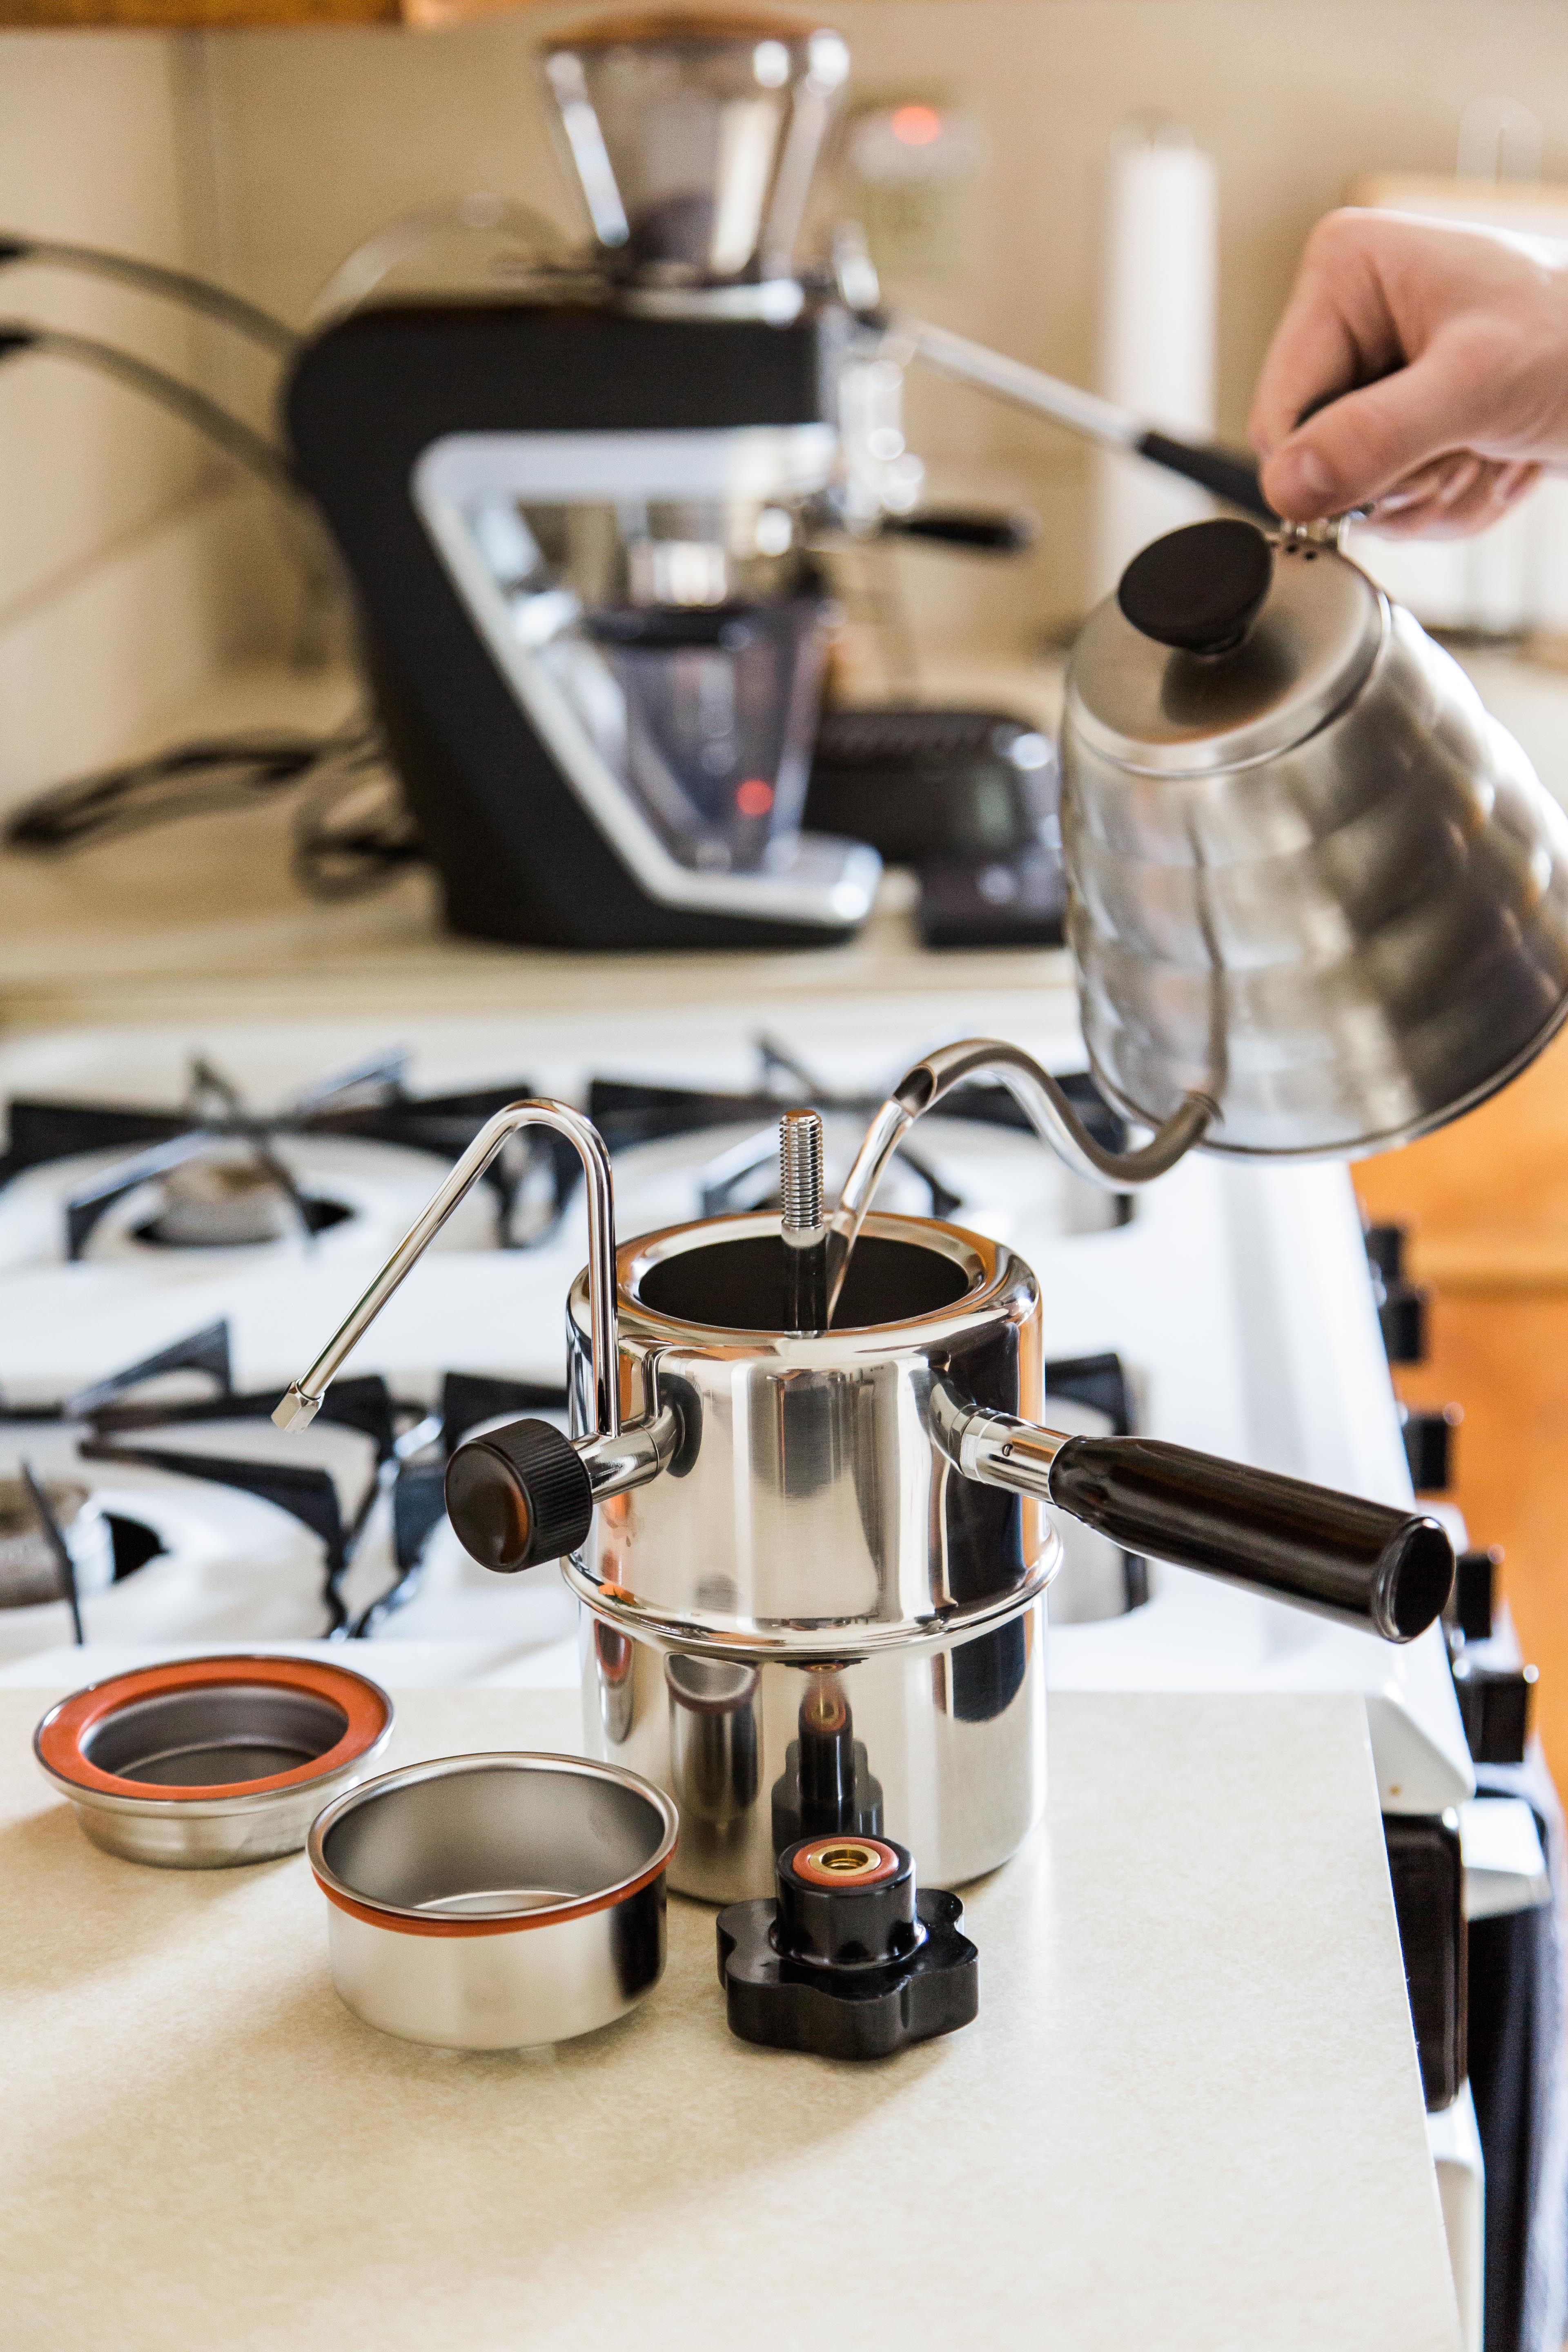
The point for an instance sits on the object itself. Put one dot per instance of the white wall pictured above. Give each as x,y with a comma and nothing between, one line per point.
325,135
111,557
128,567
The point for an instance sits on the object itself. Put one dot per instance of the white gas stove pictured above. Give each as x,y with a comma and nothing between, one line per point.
1234,1296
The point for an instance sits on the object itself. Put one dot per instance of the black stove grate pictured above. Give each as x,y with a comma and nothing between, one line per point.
370,1103
409,1446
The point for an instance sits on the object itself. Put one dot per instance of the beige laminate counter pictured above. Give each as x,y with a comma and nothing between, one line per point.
1188,2116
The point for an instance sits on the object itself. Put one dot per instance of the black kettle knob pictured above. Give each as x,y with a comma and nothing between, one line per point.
1200,589
517,1495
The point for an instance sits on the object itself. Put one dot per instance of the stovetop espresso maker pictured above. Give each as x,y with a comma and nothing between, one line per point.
813,1562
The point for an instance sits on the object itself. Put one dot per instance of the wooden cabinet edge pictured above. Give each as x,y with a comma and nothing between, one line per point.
238,15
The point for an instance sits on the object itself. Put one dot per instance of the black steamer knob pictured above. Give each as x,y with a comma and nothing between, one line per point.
1401,1304
517,1495
1198,590
1401,1319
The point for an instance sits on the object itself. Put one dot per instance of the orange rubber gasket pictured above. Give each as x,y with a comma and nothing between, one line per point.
406,1923
59,1737
805,1865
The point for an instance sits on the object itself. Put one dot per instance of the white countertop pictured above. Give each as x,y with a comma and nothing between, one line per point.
1188,2116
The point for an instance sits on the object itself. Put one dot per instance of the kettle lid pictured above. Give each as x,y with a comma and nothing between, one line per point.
1221,647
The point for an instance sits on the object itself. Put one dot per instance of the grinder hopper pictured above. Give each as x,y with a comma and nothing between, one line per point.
694,139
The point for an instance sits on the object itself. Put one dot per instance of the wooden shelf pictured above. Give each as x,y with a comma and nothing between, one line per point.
177,15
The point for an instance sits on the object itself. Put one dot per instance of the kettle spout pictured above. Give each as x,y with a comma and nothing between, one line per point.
1044,1104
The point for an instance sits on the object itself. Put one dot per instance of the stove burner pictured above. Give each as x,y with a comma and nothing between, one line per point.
29,1565
232,1204
224,1184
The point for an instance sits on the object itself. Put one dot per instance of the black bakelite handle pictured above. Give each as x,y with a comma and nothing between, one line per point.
1225,472
977,530
1360,1562
519,1495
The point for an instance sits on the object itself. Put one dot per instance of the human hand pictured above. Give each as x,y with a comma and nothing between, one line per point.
1457,339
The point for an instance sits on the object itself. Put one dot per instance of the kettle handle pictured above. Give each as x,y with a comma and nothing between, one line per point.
303,1399
1380,1569
1044,1104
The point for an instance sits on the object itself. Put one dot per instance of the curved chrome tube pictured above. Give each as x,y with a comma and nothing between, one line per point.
304,1400
1043,1103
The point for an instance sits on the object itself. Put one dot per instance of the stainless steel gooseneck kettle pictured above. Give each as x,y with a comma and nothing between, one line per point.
1312,882
1317,898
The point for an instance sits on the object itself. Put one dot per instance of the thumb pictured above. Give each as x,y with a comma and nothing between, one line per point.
1363,443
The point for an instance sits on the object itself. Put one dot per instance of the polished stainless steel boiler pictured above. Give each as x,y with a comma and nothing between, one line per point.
812,1563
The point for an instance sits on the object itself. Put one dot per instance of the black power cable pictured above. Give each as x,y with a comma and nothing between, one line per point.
351,831
344,844
226,772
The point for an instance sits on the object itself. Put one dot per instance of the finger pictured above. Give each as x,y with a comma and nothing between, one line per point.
1514,481
1357,450
1482,498
1466,474
1496,488
1413,491
1425,488
1312,359
1337,331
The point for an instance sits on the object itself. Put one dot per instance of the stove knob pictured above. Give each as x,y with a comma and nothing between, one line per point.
1474,1596
1401,1319
1385,1251
517,1495
1401,1305
1428,1445
1494,1707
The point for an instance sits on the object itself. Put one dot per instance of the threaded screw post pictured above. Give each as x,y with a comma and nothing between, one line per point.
803,1225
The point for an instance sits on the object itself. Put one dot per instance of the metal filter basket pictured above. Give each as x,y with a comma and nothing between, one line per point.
211,1762
495,1902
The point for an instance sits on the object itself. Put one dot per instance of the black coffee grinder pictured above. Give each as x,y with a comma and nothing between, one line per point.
576,516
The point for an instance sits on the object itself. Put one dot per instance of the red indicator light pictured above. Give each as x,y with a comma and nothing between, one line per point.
915,126
753,798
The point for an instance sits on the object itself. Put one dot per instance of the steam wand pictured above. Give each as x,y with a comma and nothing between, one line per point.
302,1401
